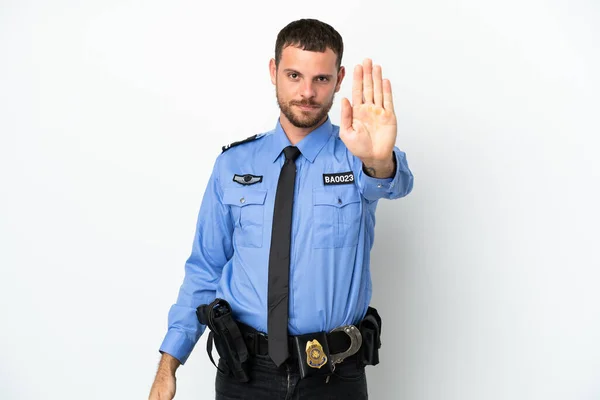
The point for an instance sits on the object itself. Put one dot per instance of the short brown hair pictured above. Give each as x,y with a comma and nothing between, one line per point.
310,35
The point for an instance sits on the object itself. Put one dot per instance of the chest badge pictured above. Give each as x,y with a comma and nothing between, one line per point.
247,179
340,178
315,356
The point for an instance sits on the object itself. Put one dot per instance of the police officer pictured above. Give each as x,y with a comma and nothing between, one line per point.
286,226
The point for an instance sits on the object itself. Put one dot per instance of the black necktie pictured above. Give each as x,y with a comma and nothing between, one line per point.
279,259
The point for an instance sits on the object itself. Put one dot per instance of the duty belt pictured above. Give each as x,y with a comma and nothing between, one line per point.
315,353
343,342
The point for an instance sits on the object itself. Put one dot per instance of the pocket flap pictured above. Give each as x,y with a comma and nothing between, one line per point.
336,199
243,196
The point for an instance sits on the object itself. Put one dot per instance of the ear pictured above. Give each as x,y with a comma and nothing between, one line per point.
273,71
340,78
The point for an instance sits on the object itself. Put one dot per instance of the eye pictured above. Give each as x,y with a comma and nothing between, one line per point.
293,75
322,79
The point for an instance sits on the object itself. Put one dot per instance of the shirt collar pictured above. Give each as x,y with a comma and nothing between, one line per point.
309,146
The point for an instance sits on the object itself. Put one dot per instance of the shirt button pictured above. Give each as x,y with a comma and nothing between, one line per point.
242,200
339,201
379,185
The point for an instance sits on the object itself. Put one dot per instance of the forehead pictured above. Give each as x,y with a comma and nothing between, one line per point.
308,61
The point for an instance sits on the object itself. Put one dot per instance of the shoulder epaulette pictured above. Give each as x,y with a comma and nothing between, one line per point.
251,138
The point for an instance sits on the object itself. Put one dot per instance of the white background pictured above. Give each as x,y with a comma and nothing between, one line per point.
112,113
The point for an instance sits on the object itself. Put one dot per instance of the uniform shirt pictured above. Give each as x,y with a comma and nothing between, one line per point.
333,222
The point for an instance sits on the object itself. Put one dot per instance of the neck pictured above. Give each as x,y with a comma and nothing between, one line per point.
295,134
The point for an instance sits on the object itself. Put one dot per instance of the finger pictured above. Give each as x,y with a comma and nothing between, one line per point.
368,81
388,101
346,118
377,90
357,86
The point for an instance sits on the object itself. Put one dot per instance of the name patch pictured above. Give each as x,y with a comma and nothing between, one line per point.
340,178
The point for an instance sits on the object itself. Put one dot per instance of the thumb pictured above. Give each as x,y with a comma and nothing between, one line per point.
346,117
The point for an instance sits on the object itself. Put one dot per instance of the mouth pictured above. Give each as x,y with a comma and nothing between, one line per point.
307,108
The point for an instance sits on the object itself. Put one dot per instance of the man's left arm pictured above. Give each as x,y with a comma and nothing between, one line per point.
368,129
388,180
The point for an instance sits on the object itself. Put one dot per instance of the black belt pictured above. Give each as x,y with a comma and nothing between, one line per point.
235,342
257,342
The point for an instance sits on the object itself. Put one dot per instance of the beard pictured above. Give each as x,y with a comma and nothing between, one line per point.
304,119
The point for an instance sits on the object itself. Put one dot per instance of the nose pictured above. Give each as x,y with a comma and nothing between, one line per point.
307,91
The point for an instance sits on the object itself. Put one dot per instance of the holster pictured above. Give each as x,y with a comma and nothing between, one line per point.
228,339
370,329
312,353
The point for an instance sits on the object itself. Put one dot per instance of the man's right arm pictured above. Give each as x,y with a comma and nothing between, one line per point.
211,249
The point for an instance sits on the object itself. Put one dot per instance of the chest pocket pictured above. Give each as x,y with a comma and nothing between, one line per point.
336,217
247,209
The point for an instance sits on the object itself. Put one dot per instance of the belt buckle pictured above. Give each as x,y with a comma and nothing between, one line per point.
355,343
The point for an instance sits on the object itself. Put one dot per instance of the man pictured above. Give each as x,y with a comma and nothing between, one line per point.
285,230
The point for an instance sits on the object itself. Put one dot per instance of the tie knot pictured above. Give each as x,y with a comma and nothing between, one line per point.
291,153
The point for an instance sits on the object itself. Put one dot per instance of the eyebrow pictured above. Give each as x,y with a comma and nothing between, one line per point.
288,70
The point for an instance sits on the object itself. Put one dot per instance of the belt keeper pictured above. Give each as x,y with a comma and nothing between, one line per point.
256,343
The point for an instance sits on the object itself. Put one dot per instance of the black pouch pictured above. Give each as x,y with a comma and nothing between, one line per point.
312,353
227,337
370,329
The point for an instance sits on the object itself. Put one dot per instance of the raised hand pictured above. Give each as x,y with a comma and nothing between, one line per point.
368,127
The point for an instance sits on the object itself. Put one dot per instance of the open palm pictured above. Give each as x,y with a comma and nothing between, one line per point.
368,126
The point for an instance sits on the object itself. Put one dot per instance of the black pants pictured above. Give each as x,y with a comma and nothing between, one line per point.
267,382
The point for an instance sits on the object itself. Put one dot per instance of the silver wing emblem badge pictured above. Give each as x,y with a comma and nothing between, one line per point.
247,179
